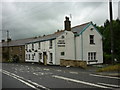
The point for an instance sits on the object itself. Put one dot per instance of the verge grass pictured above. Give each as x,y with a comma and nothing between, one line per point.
115,67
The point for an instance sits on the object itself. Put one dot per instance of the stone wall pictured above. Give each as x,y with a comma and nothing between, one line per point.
73,63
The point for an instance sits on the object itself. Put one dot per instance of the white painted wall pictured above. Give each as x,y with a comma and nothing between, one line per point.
68,49
87,47
44,48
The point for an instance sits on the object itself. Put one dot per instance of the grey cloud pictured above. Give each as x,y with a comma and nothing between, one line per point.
28,19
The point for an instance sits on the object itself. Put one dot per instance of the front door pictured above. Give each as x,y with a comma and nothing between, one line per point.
45,58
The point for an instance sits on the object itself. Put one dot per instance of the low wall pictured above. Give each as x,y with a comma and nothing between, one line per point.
73,63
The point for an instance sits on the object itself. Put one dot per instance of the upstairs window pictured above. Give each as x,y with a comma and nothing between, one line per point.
26,47
92,39
50,44
32,46
39,45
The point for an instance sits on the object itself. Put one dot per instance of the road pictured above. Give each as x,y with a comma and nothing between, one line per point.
34,76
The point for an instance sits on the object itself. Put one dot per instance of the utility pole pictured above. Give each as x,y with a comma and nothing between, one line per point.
111,29
8,43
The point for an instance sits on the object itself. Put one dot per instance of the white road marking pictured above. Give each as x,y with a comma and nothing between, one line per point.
116,86
104,76
74,72
46,69
19,80
59,70
78,81
23,80
35,74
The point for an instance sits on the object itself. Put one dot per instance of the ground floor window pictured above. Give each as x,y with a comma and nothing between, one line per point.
29,56
32,56
40,56
91,55
51,57
62,53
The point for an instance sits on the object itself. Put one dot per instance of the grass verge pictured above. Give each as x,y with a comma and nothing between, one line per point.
110,68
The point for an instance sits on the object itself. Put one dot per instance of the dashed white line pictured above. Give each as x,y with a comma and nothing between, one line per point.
46,69
104,76
78,81
73,72
59,70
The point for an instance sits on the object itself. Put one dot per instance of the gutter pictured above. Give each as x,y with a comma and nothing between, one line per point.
82,46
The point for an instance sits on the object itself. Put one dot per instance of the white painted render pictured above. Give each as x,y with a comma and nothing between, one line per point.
83,47
74,47
68,49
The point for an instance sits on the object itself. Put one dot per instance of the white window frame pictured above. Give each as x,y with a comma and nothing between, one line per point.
91,56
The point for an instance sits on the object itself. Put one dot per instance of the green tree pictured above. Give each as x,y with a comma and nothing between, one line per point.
105,31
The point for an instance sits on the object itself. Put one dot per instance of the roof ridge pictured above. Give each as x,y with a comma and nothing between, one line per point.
81,24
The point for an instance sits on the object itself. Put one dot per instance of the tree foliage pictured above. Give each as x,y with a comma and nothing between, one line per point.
105,31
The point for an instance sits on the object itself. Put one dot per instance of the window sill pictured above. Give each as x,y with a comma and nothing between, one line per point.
93,61
92,43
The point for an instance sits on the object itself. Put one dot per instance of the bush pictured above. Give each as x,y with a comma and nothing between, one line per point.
10,60
106,58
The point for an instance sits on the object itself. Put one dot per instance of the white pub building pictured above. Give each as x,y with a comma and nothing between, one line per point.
82,42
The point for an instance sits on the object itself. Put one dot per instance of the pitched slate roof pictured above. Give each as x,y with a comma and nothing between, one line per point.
17,42
77,29
47,37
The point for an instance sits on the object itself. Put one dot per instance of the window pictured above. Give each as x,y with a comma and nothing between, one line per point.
50,44
51,57
91,55
29,56
39,45
92,39
62,37
62,53
26,47
40,56
11,49
32,46
20,48
26,56
32,56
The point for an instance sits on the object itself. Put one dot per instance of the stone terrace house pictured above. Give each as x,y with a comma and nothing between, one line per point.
79,43
14,48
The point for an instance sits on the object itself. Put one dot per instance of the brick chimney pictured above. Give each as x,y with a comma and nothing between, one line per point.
67,24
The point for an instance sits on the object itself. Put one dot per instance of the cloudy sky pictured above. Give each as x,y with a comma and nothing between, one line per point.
29,19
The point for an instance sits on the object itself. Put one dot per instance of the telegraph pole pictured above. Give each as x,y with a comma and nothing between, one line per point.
111,29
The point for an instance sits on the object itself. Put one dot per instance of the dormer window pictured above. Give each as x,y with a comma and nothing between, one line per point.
92,39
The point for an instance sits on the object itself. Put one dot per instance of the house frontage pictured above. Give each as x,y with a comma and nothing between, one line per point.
51,48
13,49
79,43
88,43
